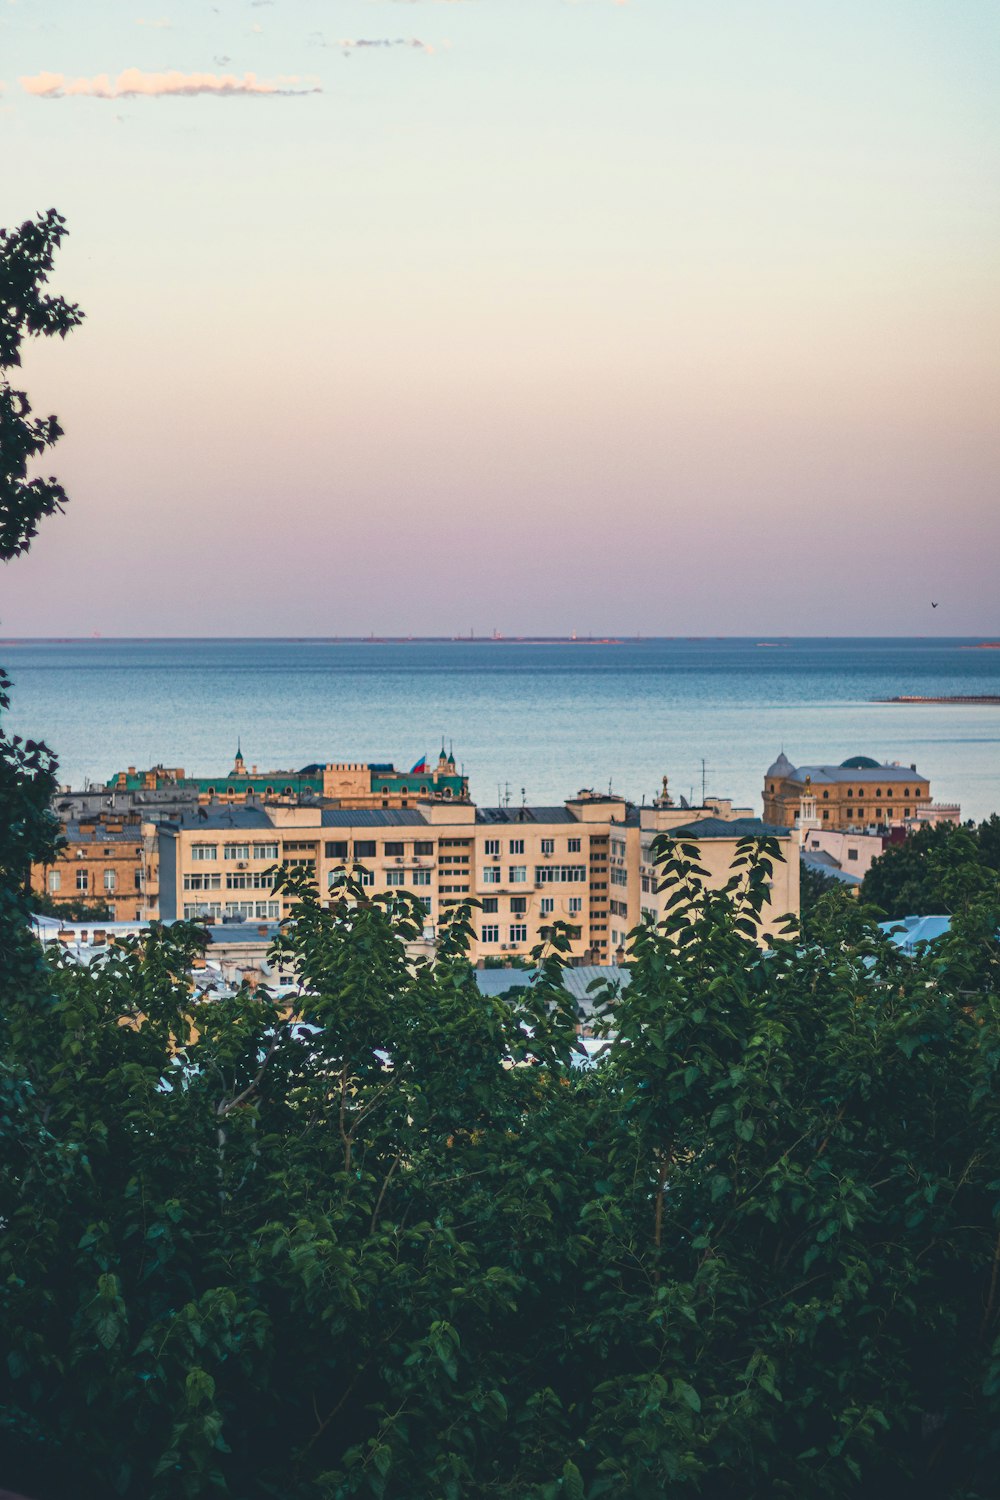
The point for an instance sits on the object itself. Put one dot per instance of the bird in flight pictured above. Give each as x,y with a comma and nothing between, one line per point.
933,605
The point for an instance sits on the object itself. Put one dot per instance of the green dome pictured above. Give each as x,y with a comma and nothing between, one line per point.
859,763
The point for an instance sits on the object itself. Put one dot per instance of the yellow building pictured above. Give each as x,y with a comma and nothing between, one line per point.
102,864
858,794
583,862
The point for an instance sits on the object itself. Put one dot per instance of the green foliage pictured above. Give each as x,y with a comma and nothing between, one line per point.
359,1251
28,829
27,311
936,870
73,910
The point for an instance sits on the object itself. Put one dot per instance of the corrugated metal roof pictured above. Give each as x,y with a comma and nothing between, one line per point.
373,817
506,816
907,932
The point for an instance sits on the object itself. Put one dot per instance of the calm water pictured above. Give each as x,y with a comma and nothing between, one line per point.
548,718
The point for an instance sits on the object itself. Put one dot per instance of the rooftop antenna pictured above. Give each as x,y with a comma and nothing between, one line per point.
703,781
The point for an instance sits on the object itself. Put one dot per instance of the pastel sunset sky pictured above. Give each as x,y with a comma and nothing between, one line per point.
426,316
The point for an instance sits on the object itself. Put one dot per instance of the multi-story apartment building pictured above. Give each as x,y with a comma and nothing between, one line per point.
858,794
587,863
345,783
102,864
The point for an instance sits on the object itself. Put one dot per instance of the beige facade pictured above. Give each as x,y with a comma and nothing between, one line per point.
859,794
100,865
584,863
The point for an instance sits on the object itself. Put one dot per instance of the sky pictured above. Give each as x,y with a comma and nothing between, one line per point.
438,316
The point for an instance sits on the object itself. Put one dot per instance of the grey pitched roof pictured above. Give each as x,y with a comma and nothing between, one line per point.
825,864
91,833
221,818
736,828
373,817
576,980
856,774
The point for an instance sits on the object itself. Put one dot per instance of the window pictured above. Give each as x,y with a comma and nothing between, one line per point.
518,874
422,848
393,850
82,880
264,851
518,932
209,881
878,792
420,877
204,852
517,846
425,902
826,815
490,933
619,908
364,848
826,796
549,874
490,903
365,877
492,846
575,905
619,877
548,846
55,880
242,880
518,906
573,846
852,853
138,880
548,906
336,848
491,875
236,851
395,877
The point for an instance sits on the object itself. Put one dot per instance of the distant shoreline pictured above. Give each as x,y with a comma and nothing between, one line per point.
960,643
987,698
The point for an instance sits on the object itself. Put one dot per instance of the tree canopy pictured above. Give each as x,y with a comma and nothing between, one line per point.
936,870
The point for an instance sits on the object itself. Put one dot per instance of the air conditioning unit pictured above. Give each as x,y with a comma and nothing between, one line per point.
400,859
241,864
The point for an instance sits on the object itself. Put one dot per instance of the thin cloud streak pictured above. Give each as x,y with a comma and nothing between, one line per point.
134,84
347,45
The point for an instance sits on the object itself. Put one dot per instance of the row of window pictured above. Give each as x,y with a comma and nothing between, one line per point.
268,911
83,880
209,853
491,847
517,932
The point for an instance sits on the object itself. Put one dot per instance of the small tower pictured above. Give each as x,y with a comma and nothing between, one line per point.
239,766
664,799
442,765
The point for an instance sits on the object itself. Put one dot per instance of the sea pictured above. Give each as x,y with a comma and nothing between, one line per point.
528,720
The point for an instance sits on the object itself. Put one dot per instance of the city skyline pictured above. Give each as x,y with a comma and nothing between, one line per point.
447,315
